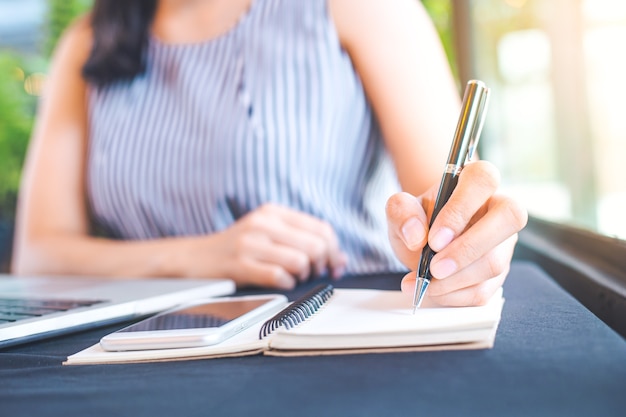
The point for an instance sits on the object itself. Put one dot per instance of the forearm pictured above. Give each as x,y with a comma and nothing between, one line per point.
83,255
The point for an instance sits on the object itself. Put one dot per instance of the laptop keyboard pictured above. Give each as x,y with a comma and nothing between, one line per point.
14,309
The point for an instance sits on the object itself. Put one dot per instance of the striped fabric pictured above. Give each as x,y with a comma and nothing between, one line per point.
271,111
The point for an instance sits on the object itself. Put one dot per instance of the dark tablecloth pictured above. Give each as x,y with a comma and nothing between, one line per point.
551,357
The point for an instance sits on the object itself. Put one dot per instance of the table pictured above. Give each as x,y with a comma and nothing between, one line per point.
551,357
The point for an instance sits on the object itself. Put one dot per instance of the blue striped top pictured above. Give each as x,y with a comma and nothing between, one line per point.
270,111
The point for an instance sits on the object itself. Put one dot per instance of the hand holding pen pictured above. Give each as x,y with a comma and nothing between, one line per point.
472,229
464,143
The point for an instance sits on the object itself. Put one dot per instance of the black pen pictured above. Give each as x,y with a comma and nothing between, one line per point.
464,143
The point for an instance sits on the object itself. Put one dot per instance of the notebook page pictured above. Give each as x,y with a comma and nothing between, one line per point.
369,318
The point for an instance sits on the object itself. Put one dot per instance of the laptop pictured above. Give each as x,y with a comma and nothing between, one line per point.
33,308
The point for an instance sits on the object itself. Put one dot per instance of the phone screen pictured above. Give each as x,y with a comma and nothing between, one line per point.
213,314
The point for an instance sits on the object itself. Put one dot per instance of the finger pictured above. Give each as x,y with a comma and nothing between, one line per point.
494,264
462,286
478,294
263,250
408,288
406,226
265,275
331,255
319,255
313,236
503,219
269,223
477,183
407,285
475,295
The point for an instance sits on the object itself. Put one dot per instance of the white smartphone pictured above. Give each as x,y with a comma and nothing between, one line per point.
199,323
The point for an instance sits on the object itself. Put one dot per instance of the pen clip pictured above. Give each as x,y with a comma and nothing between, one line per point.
477,126
466,128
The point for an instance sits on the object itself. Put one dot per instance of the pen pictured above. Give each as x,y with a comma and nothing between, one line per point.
466,137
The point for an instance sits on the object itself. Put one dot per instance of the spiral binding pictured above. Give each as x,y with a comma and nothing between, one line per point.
299,310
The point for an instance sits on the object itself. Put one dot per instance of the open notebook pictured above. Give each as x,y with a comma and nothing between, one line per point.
338,321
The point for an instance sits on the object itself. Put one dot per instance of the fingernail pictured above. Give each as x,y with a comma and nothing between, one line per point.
286,282
339,269
413,233
338,272
443,268
441,239
322,270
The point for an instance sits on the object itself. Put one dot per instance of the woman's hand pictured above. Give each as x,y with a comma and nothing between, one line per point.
474,236
274,246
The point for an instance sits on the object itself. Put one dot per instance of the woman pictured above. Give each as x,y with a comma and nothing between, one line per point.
256,140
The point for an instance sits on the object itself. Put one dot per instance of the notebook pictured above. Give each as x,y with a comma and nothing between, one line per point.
32,308
332,321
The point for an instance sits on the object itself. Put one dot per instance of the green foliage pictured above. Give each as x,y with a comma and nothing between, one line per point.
17,110
440,12
17,107
60,14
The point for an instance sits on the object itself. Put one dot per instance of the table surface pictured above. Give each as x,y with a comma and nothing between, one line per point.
551,357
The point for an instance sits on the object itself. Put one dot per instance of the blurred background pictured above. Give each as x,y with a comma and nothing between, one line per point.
556,125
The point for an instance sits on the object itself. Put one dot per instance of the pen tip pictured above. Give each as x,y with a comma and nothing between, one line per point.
421,285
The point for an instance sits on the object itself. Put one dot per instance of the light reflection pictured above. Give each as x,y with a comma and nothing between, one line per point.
518,4
34,84
19,74
605,11
516,52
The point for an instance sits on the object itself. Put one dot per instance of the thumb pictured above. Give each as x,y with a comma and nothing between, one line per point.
407,226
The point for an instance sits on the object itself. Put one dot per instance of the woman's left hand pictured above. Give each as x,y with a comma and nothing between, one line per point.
474,236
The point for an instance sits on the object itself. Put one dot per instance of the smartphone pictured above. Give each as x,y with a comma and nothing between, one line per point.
199,323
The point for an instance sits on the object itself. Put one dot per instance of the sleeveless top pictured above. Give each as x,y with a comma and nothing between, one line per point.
270,111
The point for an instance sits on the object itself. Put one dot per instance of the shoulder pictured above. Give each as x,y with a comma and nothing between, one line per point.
65,78
75,44
359,21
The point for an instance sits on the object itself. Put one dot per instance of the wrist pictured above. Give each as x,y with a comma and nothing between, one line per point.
194,257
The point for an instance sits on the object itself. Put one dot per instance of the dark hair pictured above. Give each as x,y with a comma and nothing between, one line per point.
120,36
